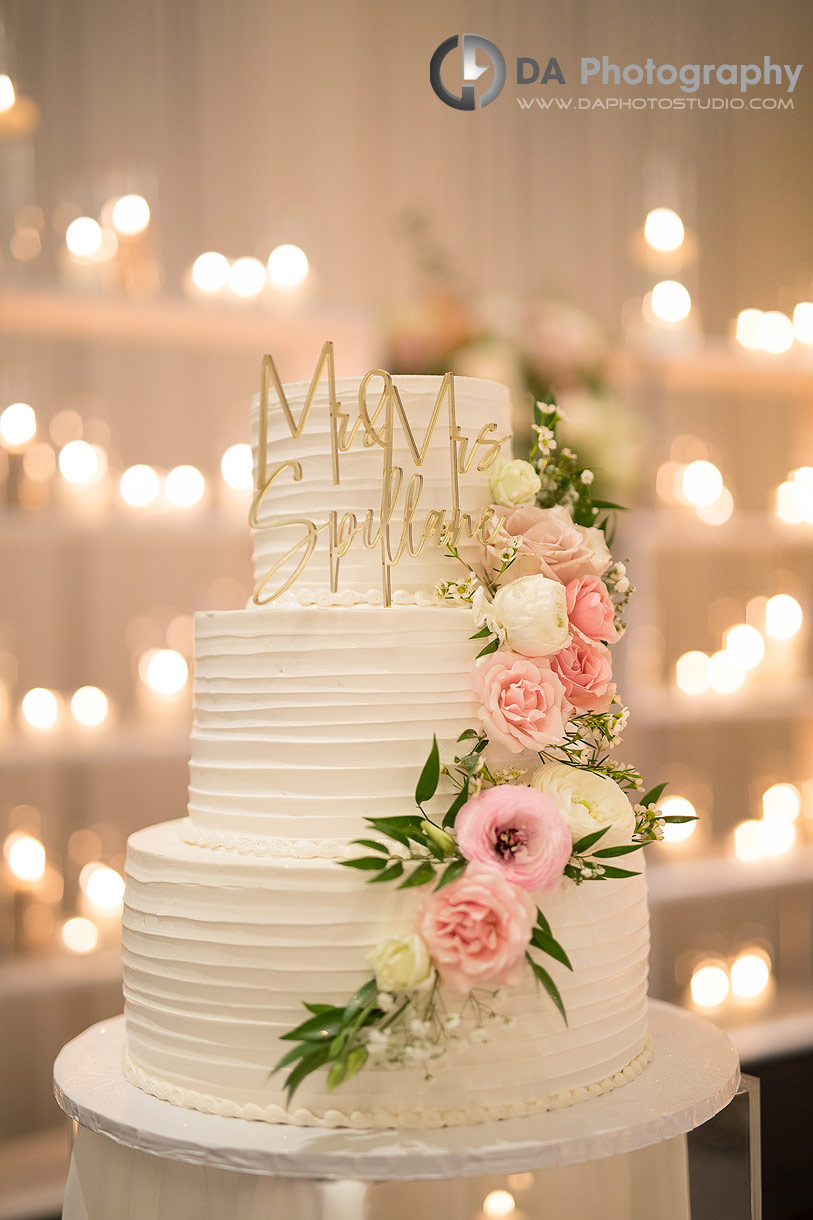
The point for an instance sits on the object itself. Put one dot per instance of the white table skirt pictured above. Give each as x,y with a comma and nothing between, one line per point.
108,1181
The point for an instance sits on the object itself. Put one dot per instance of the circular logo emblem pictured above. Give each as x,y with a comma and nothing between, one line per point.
470,44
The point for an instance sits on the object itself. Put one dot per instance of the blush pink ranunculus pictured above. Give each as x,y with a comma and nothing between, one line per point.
477,929
552,544
586,672
521,831
522,701
590,608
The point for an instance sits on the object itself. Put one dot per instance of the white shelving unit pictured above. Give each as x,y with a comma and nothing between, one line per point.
752,413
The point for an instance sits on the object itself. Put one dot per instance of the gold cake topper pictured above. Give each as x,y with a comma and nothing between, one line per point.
441,527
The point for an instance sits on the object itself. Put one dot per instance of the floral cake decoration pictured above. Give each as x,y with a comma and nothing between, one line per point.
547,601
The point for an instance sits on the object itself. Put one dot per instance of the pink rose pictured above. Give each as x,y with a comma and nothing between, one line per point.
477,929
551,544
522,700
586,671
590,608
519,830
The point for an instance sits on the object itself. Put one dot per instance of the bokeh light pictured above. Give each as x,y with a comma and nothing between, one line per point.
783,617
83,236
184,486
670,301
246,277
719,511
287,266
164,670
663,230
803,323
744,645
692,673
747,841
725,675
81,463
18,426
7,95
103,886
775,333
236,467
25,857
748,321
210,271
40,708
710,985
497,1204
702,483
139,486
777,834
80,935
89,706
130,215
750,974
782,800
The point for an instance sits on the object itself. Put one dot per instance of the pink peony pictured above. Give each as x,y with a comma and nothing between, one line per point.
586,671
522,700
590,608
519,830
551,544
477,929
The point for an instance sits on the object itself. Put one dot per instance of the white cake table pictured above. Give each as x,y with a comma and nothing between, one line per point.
622,1155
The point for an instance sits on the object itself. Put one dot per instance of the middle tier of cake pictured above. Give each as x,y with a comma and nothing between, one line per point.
309,719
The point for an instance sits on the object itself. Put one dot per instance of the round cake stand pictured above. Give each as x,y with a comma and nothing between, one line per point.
694,1073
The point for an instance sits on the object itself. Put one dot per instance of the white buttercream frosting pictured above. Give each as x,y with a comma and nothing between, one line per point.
220,949
309,719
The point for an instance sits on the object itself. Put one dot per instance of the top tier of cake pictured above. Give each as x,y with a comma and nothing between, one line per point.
291,502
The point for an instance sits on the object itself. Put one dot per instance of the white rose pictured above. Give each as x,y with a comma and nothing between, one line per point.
532,612
513,483
589,802
401,963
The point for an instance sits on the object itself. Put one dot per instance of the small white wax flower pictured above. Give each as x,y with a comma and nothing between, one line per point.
587,477
421,1029
622,585
385,1001
452,1020
479,1034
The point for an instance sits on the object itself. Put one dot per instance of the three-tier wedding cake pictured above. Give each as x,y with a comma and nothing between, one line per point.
482,954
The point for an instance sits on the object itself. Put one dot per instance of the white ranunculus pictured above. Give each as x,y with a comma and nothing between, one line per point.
532,611
589,802
401,963
513,483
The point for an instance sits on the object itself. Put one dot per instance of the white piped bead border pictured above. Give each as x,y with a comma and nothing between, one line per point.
428,1119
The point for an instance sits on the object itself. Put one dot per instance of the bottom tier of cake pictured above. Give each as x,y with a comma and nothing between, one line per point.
220,949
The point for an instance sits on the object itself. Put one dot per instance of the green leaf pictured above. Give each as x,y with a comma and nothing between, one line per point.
456,805
362,998
336,1074
371,843
291,1056
364,862
620,508
547,982
423,873
479,635
389,874
315,1029
428,783
314,1061
588,840
609,871
492,647
654,795
606,852
548,944
467,734
680,817
451,873
356,1061
320,1010
542,922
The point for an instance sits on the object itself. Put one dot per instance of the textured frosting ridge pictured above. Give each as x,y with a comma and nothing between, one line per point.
308,720
314,496
219,949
